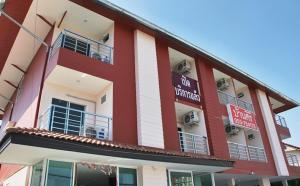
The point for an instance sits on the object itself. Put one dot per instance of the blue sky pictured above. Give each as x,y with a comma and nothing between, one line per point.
259,37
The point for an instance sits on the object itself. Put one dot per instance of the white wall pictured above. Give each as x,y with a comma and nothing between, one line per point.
247,96
18,179
152,176
278,155
106,108
56,91
238,138
149,119
257,142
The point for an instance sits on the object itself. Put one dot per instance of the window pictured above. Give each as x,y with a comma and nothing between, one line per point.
181,179
189,179
127,177
59,173
202,179
36,177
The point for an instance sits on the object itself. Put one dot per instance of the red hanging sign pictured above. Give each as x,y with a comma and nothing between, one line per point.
241,117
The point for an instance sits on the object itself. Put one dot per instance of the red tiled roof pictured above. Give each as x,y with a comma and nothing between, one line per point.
104,143
293,146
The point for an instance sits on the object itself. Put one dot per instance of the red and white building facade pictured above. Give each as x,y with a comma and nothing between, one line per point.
91,94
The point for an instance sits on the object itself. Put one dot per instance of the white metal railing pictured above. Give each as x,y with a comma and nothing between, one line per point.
280,121
226,98
193,143
293,160
76,122
257,154
244,152
238,151
83,45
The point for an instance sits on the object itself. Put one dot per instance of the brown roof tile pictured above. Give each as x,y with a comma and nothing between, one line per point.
104,143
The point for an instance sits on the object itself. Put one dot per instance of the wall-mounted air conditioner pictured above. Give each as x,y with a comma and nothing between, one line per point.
232,130
191,118
223,84
183,67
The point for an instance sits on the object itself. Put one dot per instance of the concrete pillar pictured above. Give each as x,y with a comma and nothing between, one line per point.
231,182
279,157
152,176
285,183
264,182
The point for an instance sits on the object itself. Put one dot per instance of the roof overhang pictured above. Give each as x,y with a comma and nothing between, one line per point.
26,149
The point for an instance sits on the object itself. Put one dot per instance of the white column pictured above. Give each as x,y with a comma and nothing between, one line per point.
149,119
152,176
278,155
264,182
231,182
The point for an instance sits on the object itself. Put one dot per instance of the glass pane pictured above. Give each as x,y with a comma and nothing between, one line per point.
181,179
127,177
202,179
88,174
59,173
36,177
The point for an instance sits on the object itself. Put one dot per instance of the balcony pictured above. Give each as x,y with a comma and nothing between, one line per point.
193,143
293,160
83,45
76,122
225,99
280,121
244,152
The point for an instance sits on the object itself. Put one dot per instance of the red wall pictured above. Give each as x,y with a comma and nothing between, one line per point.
212,110
30,86
167,97
121,73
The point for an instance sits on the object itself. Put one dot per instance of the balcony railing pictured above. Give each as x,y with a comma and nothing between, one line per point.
193,143
244,152
76,122
280,121
83,45
226,98
257,154
238,151
293,160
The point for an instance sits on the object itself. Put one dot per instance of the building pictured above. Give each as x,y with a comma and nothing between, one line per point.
92,94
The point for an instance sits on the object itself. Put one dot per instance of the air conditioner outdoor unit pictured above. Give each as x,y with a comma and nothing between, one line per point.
191,118
183,67
95,55
99,133
223,84
232,130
